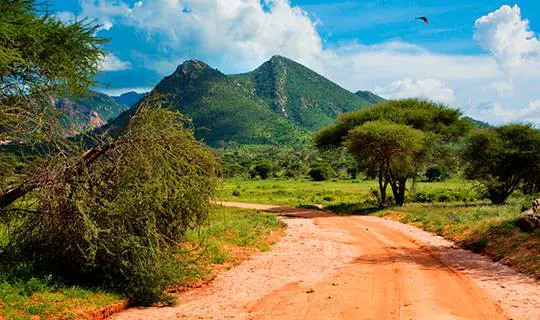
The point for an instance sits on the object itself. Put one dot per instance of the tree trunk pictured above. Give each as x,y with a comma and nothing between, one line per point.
382,189
400,196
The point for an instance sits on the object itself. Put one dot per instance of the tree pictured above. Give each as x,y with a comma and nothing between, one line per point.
396,139
502,158
394,151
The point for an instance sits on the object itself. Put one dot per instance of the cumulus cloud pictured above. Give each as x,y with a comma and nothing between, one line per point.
530,114
508,37
421,88
110,62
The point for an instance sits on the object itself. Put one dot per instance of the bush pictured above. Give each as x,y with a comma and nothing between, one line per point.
436,174
321,172
430,196
117,221
262,170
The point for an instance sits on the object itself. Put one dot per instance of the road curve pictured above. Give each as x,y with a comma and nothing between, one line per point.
354,267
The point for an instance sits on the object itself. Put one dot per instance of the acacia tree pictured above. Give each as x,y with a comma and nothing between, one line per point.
503,158
396,139
394,151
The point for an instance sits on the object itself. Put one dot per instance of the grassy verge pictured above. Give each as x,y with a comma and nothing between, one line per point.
230,236
485,229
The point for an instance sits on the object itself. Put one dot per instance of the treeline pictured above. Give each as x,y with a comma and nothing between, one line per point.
305,162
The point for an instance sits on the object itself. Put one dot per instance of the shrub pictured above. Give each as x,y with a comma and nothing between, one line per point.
321,172
429,196
117,221
262,170
436,174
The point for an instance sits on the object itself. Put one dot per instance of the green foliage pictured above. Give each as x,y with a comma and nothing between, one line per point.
436,174
286,161
116,222
423,115
352,193
502,158
22,295
321,172
262,170
445,195
39,54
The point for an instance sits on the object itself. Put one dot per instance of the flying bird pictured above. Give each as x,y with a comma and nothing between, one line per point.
423,18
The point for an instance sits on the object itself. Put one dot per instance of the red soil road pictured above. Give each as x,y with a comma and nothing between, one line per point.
351,267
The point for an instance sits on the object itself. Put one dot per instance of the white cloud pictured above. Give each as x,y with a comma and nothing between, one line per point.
110,62
508,37
503,88
421,88
531,113
238,35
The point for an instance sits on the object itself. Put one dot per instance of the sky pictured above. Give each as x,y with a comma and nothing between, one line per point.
480,56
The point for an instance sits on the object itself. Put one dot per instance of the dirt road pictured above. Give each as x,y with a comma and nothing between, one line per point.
330,267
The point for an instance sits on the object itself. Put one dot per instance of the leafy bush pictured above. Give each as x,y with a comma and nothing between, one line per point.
262,170
445,195
321,172
436,174
116,222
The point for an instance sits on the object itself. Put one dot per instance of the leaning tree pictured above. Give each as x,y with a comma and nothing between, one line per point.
111,212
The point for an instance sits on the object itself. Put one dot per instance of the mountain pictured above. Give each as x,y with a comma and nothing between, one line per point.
299,94
370,96
90,110
129,98
279,102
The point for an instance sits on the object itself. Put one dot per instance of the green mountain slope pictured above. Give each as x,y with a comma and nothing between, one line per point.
222,109
278,103
299,94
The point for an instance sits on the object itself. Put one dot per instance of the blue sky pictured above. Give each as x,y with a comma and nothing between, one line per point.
481,56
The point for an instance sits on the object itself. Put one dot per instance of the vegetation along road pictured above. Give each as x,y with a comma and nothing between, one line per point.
357,267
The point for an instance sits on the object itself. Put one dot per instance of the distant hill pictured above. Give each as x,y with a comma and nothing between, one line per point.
279,102
90,110
129,98
477,123
370,96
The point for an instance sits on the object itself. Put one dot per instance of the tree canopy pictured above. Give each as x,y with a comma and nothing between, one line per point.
502,158
40,54
395,139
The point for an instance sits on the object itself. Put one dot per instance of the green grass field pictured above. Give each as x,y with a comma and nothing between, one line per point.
228,232
326,193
